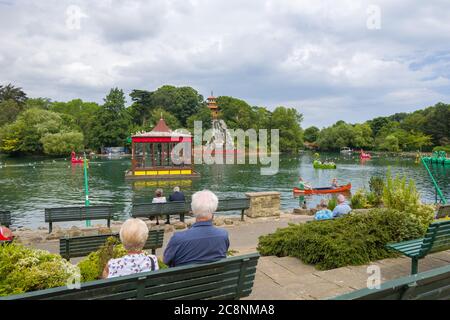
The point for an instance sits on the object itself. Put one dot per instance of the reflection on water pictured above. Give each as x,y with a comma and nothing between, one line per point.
29,185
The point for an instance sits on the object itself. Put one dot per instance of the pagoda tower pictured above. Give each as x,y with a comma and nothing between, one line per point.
212,105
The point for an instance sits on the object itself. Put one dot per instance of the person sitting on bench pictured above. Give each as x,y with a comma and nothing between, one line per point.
177,195
203,242
133,235
324,213
342,207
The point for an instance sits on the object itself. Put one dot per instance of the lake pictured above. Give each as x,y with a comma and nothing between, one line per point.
28,185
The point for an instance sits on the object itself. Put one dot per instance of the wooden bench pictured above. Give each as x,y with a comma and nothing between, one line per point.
429,285
147,210
82,246
234,204
230,278
443,211
5,218
100,212
437,238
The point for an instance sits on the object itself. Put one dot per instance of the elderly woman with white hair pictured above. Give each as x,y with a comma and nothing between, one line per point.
203,242
342,207
133,235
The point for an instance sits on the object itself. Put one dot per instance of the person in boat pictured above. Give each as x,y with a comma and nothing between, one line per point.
302,185
342,207
334,184
6,234
324,213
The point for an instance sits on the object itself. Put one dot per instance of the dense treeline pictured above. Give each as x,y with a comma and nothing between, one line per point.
419,130
40,126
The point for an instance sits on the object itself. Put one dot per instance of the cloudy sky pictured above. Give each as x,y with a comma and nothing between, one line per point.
336,59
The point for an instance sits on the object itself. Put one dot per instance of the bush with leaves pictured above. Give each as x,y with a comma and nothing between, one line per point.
354,239
25,269
376,185
91,267
359,200
403,196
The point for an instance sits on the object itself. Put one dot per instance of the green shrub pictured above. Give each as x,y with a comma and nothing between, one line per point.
91,267
25,269
332,203
376,185
358,200
353,239
402,196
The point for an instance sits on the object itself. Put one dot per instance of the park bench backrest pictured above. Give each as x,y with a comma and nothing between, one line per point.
437,238
230,278
98,212
82,246
443,211
429,285
179,207
5,218
233,204
78,213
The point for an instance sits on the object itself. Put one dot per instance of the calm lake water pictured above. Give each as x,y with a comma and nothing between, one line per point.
28,185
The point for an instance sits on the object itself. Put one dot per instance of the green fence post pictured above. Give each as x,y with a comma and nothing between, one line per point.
86,188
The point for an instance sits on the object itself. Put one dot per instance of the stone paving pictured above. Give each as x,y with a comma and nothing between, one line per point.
289,278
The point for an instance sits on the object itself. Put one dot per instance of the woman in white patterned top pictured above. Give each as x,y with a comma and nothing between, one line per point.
133,234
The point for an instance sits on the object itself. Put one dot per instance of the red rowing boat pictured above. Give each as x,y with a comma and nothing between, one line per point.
344,188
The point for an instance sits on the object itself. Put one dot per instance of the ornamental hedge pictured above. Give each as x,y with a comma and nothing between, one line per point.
25,269
354,239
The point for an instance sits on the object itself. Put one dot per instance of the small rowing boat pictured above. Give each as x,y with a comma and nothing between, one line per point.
339,189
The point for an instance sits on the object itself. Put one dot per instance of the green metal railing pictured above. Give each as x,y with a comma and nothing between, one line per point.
436,187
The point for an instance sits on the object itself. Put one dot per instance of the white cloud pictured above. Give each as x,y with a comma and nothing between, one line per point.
316,55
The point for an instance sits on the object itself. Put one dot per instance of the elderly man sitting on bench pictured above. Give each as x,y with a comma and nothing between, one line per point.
203,242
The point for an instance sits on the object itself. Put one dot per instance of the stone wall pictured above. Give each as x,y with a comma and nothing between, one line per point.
263,204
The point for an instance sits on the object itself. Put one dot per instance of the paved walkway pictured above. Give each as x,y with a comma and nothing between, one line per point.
289,278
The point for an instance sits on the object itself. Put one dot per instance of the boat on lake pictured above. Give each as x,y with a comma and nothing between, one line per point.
346,150
323,165
339,189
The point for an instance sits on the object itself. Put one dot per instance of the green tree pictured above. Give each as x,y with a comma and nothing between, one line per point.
181,101
24,136
203,115
9,110
311,134
236,113
141,107
9,92
112,122
288,120
62,143
82,115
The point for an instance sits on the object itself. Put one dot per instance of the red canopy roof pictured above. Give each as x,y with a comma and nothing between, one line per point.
161,127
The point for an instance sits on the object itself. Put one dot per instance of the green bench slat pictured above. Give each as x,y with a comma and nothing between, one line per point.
437,238
5,218
81,246
185,282
79,213
148,210
433,284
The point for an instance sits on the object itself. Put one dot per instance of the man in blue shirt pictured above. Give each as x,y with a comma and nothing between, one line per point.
177,195
203,242
342,208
